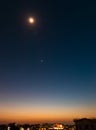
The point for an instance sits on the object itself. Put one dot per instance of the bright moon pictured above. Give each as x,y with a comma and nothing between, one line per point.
31,20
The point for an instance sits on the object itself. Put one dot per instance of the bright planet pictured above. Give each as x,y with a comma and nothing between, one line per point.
31,20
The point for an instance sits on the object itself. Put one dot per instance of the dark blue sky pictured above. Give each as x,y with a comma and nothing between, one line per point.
64,37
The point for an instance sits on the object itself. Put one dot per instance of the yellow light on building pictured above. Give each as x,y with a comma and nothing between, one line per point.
8,128
58,126
28,128
21,128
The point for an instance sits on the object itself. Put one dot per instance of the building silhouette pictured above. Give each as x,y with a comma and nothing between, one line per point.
85,124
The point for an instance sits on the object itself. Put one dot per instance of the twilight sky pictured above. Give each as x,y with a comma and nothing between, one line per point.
47,69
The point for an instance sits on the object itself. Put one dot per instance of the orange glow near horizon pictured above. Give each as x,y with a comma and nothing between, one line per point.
41,114
43,111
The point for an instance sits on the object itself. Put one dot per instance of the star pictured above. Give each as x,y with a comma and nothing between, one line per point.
42,61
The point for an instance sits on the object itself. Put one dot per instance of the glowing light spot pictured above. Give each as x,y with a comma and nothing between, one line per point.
31,20
42,60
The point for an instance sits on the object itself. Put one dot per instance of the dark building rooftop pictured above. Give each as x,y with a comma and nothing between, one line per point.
85,124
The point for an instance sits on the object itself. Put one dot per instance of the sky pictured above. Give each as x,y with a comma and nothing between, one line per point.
47,69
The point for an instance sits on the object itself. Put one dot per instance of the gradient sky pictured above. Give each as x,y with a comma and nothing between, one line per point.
63,86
